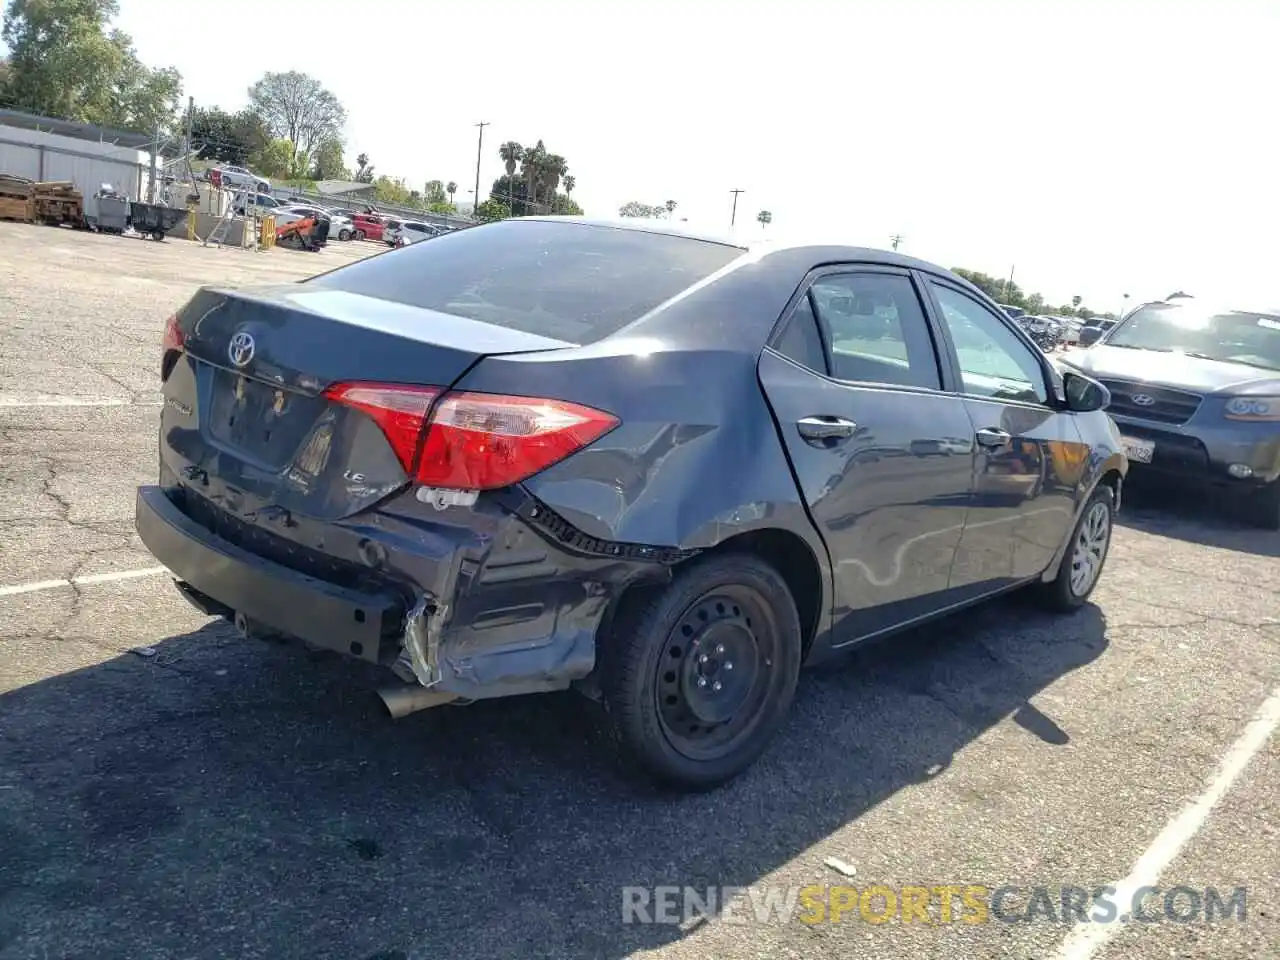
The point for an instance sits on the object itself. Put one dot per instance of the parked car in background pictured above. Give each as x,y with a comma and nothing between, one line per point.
227,175
289,214
409,231
368,226
1011,311
1195,390
262,204
340,225
455,426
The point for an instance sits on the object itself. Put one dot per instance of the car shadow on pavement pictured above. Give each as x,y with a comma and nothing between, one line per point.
225,797
1210,520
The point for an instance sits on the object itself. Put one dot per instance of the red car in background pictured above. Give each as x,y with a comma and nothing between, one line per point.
369,226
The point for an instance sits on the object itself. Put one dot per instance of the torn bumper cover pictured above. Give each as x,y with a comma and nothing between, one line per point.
520,618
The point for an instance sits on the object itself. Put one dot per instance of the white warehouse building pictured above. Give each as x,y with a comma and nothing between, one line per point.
42,148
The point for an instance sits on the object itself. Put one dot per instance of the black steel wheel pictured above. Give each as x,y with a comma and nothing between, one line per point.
697,680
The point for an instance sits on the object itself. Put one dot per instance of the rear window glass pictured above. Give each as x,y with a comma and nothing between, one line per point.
568,281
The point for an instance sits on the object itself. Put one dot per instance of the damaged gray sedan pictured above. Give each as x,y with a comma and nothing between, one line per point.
663,469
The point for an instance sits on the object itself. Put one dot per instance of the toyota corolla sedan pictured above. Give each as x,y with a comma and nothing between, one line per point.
663,469
1195,390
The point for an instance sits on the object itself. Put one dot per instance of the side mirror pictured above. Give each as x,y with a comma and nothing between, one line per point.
1090,335
1083,394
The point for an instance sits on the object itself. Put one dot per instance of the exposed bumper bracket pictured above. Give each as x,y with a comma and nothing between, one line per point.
422,640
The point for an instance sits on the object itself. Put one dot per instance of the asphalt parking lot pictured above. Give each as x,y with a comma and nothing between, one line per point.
170,790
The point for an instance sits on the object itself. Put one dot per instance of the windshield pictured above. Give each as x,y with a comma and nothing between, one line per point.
1231,336
568,281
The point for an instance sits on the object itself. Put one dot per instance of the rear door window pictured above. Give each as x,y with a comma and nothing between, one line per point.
875,329
569,281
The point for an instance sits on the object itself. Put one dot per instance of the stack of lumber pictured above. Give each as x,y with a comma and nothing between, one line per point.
15,199
57,201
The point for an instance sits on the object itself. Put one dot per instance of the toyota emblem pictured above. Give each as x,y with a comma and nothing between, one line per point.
1141,399
240,350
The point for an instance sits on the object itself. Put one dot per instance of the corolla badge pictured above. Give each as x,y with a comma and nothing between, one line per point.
240,349
1144,399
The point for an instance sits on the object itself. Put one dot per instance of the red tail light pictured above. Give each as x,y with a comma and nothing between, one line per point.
474,441
169,346
173,338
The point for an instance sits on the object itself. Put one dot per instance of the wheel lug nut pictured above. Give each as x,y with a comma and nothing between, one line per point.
728,664
702,681
716,685
719,649
703,658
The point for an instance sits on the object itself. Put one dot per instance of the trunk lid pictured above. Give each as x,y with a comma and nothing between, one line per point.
245,407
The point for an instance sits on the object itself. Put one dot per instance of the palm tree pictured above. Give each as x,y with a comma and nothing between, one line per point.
553,168
569,183
451,188
534,158
671,208
511,154
764,217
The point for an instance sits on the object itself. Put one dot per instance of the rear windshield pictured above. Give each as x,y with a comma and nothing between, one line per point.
568,281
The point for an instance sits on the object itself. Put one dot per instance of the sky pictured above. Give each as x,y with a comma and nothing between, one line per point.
1091,148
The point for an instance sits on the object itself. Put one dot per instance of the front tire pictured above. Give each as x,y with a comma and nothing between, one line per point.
1086,554
359,234
344,234
697,680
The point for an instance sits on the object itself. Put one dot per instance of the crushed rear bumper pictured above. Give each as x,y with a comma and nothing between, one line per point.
347,621
516,610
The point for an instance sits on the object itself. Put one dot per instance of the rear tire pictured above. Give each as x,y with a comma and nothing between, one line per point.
697,680
1085,557
344,234
359,234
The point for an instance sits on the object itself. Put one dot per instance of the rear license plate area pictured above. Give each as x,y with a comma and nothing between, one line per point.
260,419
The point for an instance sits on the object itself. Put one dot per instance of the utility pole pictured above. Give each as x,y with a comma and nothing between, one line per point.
151,174
1008,284
897,238
734,216
479,152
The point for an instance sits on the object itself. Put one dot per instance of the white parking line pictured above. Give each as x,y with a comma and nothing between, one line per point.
38,585
51,400
1086,938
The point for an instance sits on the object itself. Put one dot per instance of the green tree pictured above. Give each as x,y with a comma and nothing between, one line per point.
435,192
1076,301
492,210
297,108
451,188
670,206
634,208
228,137
278,158
64,61
570,182
390,190
511,153
328,163
364,169
764,218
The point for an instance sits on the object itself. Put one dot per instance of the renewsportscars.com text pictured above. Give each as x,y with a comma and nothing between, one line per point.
936,904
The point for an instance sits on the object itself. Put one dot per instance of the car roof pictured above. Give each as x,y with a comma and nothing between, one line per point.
842,248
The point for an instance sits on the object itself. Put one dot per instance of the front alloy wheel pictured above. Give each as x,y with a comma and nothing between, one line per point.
1090,549
1085,554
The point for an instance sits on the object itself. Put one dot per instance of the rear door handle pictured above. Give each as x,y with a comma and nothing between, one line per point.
991,437
819,429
